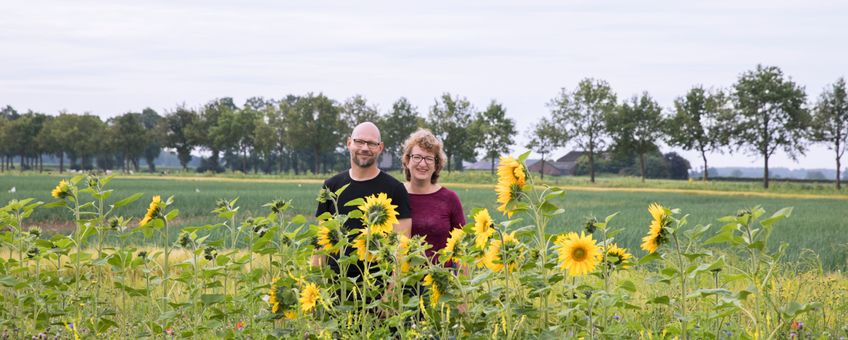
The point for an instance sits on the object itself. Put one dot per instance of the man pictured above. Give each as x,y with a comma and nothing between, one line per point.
364,179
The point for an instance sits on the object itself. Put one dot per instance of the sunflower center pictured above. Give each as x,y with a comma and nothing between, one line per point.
378,215
578,254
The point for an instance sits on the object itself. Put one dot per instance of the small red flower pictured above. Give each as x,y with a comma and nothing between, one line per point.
240,326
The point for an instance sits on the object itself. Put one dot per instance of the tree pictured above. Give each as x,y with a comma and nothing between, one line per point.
544,139
200,131
678,167
314,125
86,140
830,123
356,110
234,131
154,135
397,125
697,122
581,115
128,136
55,137
769,115
495,131
635,127
178,125
450,120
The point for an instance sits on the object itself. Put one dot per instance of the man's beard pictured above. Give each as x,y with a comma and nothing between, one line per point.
366,163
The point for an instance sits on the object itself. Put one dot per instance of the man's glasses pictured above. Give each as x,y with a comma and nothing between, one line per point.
361,142
418,158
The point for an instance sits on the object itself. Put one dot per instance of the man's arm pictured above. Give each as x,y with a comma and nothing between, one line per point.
404,227
318,260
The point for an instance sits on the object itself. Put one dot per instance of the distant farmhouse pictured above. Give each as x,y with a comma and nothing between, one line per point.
563,166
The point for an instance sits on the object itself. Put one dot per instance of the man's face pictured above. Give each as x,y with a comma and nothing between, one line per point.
364,149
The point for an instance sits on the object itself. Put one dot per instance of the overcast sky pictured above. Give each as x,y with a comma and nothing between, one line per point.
110,57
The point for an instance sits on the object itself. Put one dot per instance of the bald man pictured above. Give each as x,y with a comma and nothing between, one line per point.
364,179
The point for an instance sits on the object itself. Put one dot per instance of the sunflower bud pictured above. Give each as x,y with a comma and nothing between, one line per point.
277,206
210,253
142,254
33,252
323,195
93,181
35,232
114,223
185,240
591,225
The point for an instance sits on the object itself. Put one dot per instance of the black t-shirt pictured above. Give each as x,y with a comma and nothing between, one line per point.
382,183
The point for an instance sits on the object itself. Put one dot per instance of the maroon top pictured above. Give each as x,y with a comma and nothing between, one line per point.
434,216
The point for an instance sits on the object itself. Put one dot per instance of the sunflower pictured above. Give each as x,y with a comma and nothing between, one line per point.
274,296
403,252
493,258
578,254
308,297
451,251
61,190
437,282
482,228
507,193
153,211
379,213
618,257
364,249
564,237
657,234
327,238
512,177
282,299
510,170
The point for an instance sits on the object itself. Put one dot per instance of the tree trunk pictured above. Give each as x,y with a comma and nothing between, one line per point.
40,163
591,166
838,167
317,161
244,160
493,165
61,162
449,162
542,169
642,165
706,172
765,172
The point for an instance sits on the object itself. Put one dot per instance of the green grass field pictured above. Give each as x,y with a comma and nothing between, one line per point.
817,223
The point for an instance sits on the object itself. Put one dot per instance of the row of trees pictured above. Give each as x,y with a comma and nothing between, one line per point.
763,112
294,133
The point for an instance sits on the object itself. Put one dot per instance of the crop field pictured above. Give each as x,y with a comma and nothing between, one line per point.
180,257
819,224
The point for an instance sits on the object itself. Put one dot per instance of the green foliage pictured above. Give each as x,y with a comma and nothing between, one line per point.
770,115
830,122
700,122
450,120
253,279
582,114
636,127
494,130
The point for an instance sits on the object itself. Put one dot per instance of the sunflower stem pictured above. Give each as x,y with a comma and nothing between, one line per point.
681,270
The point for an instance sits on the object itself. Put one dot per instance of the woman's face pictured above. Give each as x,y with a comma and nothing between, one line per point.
421,164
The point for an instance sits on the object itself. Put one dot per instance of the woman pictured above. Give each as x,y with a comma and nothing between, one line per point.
436,210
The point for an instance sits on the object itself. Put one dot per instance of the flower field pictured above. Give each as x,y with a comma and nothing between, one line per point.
133,266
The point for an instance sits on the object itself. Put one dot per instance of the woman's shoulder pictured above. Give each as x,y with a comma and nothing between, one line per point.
445,192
